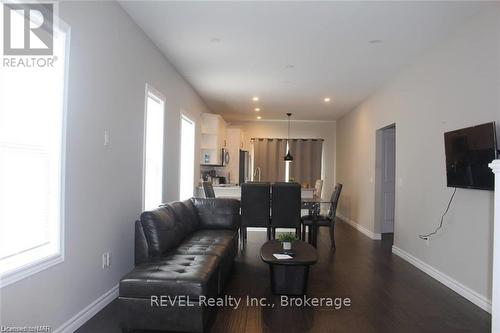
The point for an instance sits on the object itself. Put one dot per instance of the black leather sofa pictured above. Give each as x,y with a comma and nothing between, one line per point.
182,249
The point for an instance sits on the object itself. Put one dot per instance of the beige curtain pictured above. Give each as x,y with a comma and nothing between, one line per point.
268,156
306,166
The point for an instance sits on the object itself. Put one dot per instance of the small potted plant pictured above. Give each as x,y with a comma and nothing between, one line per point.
286,239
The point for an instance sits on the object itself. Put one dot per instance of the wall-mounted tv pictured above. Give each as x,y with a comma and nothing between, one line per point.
468,153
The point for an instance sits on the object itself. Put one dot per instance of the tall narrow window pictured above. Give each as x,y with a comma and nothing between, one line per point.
32,136
187,158
153,149
268,159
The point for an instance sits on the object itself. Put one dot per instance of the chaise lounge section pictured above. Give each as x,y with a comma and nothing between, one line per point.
184,249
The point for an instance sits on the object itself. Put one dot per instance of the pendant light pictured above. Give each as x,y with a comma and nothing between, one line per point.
288,157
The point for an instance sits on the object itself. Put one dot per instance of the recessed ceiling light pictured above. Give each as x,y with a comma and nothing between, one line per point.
259,117
326,99
375,41
257,109
255,99
214,40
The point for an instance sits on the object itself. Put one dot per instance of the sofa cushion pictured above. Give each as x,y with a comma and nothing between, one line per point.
162,230
206,241
194,248
176,274
218,213
210,236
185,213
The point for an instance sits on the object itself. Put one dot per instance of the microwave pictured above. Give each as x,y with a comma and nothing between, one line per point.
225,158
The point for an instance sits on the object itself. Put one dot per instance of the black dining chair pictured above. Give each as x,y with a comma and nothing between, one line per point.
208,189
286,205
255,207
325,220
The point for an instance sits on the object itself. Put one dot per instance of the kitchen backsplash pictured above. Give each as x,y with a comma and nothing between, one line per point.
219,172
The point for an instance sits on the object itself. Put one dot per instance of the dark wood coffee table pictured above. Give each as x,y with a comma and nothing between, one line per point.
289,276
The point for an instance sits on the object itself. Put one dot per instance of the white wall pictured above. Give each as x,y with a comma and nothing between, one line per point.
111,61
299,129
454,85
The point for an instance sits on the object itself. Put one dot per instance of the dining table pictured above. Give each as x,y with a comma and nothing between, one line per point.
309,202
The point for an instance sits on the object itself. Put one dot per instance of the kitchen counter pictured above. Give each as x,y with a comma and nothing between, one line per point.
234,191
222,191
223,185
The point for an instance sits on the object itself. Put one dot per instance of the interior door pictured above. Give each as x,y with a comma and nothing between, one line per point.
388,178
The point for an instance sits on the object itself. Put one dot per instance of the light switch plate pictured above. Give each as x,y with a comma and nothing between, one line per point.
106,138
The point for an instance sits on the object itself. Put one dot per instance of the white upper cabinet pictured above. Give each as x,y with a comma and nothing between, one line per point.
213,138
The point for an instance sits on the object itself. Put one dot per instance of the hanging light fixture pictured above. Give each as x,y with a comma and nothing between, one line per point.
288,156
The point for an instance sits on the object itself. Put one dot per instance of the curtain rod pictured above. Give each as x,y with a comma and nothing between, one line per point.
291,139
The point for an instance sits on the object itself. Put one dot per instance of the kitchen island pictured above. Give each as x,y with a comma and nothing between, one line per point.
234,191
222,191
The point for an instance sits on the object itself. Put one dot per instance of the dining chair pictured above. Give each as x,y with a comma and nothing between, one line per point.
325,220
208,189
255,207
286,204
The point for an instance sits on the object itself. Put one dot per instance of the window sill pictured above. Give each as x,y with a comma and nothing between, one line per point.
30,269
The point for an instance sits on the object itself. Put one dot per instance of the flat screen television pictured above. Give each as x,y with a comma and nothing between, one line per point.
468,153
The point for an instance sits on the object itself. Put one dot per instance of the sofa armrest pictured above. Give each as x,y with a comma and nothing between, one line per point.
141,245
218,213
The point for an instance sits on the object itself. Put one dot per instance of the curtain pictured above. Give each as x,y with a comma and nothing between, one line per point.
306,166
268,156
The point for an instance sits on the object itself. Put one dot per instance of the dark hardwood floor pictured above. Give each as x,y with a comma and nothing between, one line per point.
387,294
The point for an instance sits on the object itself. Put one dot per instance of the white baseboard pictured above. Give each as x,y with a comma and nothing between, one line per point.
88,312
360,228
451,283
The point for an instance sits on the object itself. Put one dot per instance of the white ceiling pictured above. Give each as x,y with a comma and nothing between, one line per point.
328,43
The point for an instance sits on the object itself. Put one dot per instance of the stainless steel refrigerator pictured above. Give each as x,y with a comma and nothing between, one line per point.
244,166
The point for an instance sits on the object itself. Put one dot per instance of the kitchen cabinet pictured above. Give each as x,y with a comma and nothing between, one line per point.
213,139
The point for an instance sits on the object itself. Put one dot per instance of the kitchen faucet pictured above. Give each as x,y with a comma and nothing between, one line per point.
255,172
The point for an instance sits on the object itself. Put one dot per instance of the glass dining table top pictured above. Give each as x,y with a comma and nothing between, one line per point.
314,200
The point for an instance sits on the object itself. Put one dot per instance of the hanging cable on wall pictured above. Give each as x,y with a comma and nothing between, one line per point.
428,236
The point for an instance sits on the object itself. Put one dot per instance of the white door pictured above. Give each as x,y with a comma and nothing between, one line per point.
388,178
